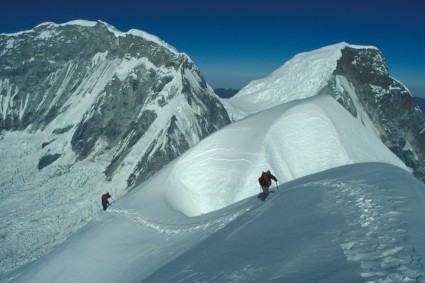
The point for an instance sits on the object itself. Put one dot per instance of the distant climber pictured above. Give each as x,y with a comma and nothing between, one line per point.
265,181
105,200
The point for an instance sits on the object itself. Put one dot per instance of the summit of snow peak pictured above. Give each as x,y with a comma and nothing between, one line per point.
114,113
359,79
302,76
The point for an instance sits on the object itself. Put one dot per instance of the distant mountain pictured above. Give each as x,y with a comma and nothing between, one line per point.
86,108
171,227
421,103
226,92
358,78
104,93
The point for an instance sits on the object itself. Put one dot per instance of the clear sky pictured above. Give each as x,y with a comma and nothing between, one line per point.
235,42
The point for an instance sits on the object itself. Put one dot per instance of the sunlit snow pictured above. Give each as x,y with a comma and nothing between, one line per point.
302,76
205,203
345,208
294,139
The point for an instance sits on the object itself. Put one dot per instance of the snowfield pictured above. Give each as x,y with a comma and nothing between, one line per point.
293,140
344,209
199,219
356,223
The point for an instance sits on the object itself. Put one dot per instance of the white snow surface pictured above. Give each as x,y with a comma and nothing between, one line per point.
346,208
199,220
295,139
302,76
356,223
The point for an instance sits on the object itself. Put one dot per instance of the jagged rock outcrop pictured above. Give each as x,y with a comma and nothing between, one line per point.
86,109
362,84
104,92
358,78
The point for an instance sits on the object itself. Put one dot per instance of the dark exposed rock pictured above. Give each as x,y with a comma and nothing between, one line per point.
62,130
48,159
361,82
116,83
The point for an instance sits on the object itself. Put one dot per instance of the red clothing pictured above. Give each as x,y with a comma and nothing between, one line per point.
105,197
265,179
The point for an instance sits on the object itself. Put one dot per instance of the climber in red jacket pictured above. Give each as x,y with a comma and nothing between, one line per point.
265,181
105,200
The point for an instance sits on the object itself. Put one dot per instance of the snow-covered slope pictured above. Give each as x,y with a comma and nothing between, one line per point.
128,100
302,76
358,223
294,140
84,109
210,185
358,78
164,107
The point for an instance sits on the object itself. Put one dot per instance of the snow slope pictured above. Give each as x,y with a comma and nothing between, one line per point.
193,201
101,116
293,140
356,223
301,77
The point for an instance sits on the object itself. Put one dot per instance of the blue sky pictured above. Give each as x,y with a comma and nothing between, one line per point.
234,42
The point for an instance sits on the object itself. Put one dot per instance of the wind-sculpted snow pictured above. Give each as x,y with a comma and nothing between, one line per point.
355,223
378,238
292,140
173,228
352,224
358,223
303,76
359,79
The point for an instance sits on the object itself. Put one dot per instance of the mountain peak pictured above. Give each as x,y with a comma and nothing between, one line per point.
302,76
358,78
110,28
82,100
88,109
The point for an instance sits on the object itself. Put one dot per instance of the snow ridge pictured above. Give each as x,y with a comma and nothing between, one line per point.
213,224
115,31
355,223
301,77
377,238
301,138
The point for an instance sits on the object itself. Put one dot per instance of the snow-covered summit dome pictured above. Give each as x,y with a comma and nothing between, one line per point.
301,77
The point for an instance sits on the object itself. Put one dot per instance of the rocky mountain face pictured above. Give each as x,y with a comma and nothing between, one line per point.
101,92
86,109
358,78
362,84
